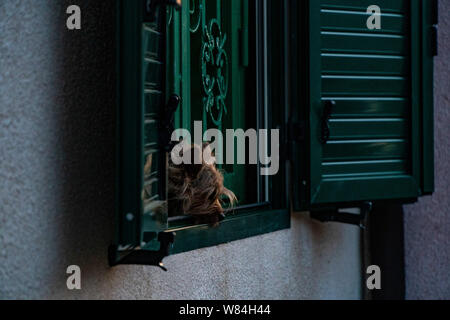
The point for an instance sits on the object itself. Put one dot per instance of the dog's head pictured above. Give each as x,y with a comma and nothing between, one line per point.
198,190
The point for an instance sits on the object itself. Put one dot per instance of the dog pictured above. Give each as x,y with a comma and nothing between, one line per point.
195,190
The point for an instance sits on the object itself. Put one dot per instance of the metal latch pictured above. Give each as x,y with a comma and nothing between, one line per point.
330,105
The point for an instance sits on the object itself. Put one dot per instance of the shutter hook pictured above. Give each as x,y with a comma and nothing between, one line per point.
326,116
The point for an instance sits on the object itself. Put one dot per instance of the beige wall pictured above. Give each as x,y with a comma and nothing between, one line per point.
56,190
427,224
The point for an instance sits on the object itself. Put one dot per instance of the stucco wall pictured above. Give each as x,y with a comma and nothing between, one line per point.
427,224
56,183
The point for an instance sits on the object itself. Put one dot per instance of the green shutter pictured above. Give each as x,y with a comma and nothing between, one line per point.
374,79
141,196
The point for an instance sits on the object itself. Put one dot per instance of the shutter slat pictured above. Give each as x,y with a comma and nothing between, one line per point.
365,150
342,129
372,107
353,42
362,64
345,20
363,168
364,86
399,6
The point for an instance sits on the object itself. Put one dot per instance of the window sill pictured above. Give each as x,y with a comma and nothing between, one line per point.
236,227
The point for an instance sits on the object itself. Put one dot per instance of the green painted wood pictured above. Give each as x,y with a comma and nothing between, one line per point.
235,19
354,42
340,85
173,56
141,92
185,56
232,229
429,9
315,99
244,36
373,77
297,94
387,187
129,180
150,133
368,107
365,149
379,128
343,169
399,6
345,20
154,161
415,84
363,64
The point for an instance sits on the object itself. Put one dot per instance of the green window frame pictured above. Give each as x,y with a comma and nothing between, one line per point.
153,64
374,143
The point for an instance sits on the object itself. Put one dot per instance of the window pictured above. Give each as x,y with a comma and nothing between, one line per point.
353,107
216,65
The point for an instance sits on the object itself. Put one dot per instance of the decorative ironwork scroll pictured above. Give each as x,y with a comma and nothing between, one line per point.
214,71
195,13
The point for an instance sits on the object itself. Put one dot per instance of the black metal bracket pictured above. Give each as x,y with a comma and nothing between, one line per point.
327,111
334,215
144,257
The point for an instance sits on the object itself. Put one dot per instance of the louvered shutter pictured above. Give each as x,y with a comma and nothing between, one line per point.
142,162
369,147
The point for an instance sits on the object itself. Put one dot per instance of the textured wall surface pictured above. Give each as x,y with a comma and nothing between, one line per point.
427,224
56,183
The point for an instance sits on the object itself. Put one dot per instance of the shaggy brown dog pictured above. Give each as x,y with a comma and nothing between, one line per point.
195,190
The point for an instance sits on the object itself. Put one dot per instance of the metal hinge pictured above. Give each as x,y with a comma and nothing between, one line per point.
335,215
144,257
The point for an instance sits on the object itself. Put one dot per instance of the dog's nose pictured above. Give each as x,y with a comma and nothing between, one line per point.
221,217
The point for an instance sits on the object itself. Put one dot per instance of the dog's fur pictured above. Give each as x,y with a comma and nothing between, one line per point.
196,190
